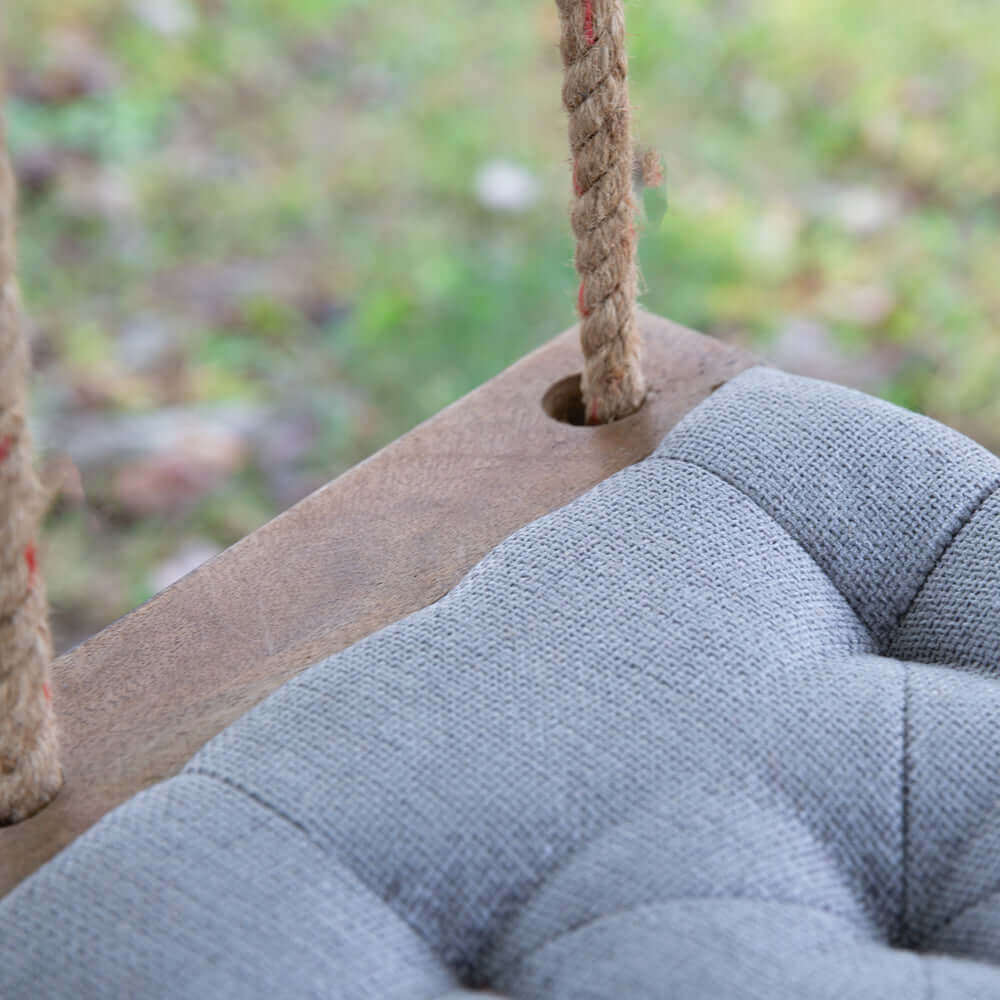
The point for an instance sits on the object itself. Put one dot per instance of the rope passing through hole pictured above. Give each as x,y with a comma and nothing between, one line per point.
595,94
30,774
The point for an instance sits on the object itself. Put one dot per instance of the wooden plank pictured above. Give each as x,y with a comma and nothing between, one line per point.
389,536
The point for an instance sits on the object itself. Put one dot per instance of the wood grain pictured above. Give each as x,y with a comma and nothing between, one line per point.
388,537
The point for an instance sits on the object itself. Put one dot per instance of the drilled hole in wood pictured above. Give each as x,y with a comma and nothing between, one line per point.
563,401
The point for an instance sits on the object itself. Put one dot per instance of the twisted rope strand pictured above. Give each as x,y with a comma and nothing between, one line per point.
30,774
595,94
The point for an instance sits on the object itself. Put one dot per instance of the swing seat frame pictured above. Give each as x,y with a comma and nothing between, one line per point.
388,537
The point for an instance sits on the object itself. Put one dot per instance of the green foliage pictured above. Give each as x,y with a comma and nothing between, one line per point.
114,127
295,185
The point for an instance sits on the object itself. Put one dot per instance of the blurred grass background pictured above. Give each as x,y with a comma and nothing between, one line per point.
261,238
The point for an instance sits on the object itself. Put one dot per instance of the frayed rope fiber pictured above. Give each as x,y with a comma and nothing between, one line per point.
30,774
595,94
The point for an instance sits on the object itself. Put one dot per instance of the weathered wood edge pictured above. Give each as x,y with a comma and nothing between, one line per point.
386,538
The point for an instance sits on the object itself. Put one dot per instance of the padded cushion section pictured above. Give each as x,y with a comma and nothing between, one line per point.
630,664
732,949
873,493
195,890
648,747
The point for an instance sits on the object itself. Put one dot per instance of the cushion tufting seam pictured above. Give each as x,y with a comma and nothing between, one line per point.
982,900
905,770
964,521
270,807
658,903
304,830
760,506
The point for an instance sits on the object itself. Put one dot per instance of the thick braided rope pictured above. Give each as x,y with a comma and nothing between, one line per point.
29,759
595,93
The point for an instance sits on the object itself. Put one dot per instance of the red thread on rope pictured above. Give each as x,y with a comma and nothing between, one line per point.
592,414
6,444
31,558
584,311
47,691
588,21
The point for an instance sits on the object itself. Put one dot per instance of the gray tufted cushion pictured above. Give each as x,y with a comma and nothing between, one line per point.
727,726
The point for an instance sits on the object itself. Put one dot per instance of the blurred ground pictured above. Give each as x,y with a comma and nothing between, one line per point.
261,238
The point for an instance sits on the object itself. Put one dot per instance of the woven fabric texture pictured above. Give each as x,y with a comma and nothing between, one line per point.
725,727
